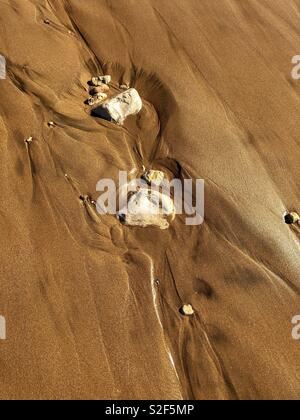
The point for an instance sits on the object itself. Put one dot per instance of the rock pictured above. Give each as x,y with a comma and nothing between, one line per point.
120,107
29,140
154,177
103,88
97,81
96,99
51,124
148,208
291,218
187,310
124,87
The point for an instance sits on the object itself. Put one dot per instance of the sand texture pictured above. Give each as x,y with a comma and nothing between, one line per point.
93,307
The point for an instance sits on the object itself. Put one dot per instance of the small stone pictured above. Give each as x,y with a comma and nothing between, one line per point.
29,140
187,310
291,218
47,21
125,87
51,124
96,99
97,81
85,199
154,177
103,88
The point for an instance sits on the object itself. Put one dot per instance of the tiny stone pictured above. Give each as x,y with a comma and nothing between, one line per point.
155,177
51,124
291,218
99,80
28,141
47,21
187,310
99,89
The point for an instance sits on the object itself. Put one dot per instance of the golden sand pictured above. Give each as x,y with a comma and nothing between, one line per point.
92,307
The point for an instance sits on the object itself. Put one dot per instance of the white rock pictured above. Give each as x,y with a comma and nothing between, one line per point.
120,107
96,99
187,310
154,177
148,208
29,140
97,81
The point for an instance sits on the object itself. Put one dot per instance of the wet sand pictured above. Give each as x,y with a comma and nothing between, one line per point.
91,306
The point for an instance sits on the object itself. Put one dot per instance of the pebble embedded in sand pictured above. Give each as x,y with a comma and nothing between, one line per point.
154,177
96,99
51,124
291,218
187,310
103,88
148,208
120,107
29,140
99,80
47,21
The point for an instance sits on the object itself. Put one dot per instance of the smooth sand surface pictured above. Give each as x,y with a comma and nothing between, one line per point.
91,306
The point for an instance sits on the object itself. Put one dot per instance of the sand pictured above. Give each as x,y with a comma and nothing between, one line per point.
93,307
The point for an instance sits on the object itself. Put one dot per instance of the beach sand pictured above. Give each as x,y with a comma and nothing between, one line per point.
92,307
